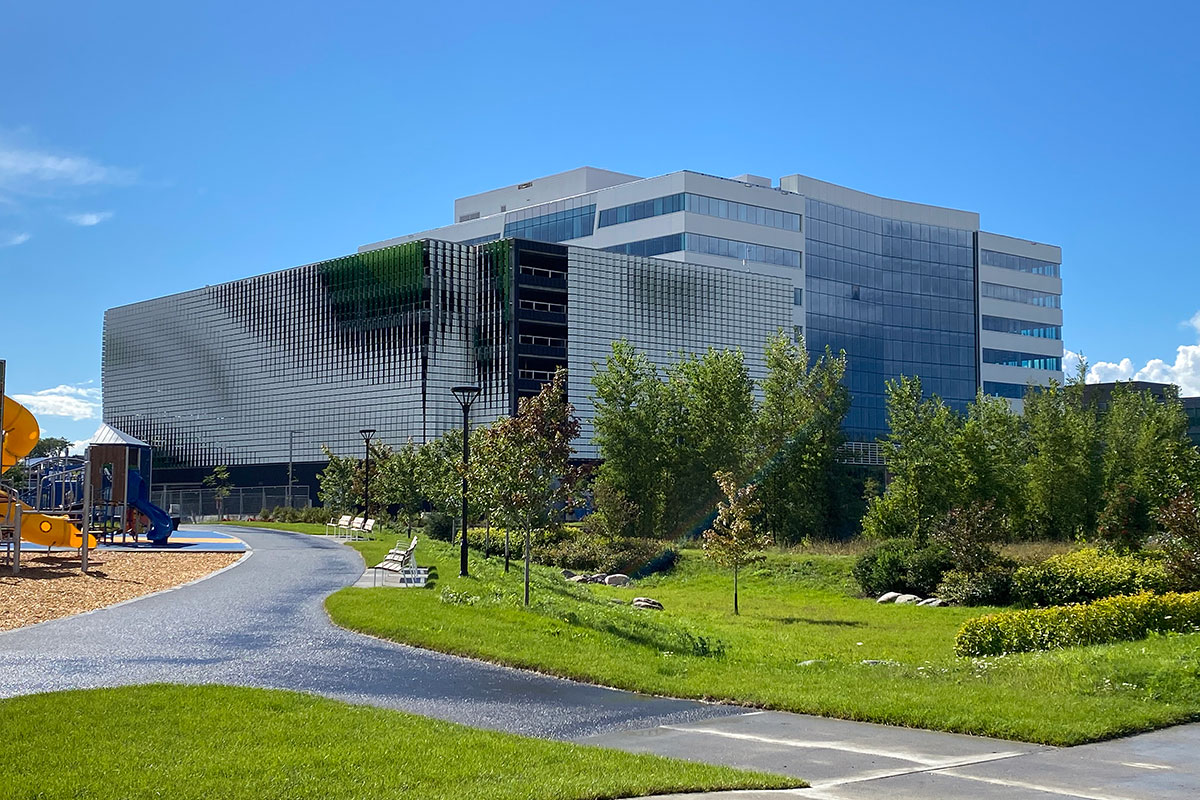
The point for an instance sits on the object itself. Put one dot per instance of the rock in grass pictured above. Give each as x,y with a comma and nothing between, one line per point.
888,597
933,602
907,599
647,602
578,578
568,574
617,580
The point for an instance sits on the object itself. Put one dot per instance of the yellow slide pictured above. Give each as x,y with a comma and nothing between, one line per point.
21,433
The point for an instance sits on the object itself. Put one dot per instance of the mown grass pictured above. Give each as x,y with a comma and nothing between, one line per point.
803,643
217,741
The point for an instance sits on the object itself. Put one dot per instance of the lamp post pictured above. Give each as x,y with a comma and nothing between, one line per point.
366,434
465,395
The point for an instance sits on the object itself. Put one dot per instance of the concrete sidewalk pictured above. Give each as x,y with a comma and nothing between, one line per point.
857,761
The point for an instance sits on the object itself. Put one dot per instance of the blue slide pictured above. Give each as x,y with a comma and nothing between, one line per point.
161,526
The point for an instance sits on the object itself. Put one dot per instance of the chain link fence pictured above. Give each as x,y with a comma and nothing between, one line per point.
200,505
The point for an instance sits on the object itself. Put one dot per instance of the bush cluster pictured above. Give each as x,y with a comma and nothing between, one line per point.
285,514
1087,575
990,585
901,565
1115,619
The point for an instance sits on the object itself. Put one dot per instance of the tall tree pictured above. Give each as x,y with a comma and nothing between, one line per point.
919,454
629,402
221,485
989,451
336,484
797,438
708,428
732,540
1063,473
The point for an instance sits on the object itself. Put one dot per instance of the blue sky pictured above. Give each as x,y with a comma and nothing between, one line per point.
149,148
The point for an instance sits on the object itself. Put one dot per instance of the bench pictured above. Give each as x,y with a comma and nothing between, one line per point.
337,524
400,561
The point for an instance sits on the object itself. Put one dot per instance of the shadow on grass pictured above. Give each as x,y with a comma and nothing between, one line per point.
841,623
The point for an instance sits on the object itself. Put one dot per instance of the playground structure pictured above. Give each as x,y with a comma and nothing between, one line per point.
107,492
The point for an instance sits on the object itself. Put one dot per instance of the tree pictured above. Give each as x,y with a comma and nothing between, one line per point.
221,487
629,400
1180,520
990,450
797,439
732,541
49,446
1063,472
918,451
707,427
530,462
337,484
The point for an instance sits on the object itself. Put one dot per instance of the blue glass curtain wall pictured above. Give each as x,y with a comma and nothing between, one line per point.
899,298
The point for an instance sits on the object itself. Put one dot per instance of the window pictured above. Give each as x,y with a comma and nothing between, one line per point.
1014,358
700,204
1019,263
1022,327
798,297
555,226
1014,294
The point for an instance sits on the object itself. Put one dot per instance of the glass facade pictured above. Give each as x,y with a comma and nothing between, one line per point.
1014,294
552,222
712,245
1015,358
220,375
899,298
663,308
701,204
1012,391
1022,327
650,247
1033,266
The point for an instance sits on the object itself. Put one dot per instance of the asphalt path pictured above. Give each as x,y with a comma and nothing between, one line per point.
262,623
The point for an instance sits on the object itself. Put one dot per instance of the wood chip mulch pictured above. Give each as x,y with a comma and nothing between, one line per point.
51,586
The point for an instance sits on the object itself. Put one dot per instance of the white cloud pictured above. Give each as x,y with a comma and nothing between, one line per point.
14,239
78,447
89,218
23,168
78,402
1184,372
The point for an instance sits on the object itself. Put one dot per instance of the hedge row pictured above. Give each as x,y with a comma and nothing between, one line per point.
1115,619
1086,575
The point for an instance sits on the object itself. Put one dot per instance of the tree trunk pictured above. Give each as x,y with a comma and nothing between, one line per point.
527,549
735,603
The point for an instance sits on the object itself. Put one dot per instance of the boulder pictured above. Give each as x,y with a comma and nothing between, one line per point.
933,602
597,578
888,597
907,599
578,578
647,602
568,574
617,580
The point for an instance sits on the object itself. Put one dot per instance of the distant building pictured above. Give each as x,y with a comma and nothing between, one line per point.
547,273
1101,395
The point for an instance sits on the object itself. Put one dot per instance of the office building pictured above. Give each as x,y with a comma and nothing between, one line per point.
549,272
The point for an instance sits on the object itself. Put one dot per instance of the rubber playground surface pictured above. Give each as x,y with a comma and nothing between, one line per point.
181,541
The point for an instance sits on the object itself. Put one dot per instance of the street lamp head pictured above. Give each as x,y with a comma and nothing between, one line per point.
366,434
465,395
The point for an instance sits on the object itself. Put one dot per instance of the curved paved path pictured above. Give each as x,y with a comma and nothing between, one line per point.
262,623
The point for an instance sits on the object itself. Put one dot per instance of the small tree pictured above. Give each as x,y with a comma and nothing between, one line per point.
732,541
1180,520
336,490
529,463
221,486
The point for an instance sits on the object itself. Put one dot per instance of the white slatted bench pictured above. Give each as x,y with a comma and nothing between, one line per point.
400,562
337,524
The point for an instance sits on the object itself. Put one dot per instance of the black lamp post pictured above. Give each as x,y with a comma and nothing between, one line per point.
366,434
466,396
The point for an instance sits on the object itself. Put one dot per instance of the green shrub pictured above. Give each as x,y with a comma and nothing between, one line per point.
1087,575
901,565
990,585
1116,619
439,526
1180,520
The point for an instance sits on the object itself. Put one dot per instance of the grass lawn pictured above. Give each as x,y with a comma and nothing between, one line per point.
219,741
803,643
